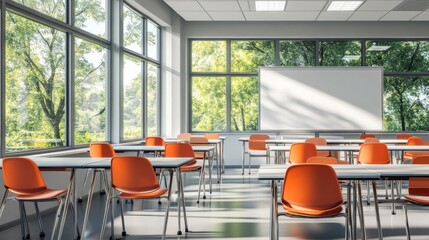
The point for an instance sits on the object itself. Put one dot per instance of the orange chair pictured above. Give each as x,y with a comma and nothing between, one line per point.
257,148
319,142
404,136
186,137
155,141
98,150
23,178
134,178
371,140
326,160
300,152
185,150
366,135
212,135
203,141
415,141
373,153
418,191
312,197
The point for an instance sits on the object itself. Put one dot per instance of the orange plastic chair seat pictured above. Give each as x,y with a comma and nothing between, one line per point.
306,212
47,194
421,200
143,195
190,168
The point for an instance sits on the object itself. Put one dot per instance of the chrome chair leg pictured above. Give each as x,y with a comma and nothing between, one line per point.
84,184
39,218
407,227
57,217
124,233
377,212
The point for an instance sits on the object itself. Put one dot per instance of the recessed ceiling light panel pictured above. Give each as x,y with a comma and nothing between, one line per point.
344,5
270,5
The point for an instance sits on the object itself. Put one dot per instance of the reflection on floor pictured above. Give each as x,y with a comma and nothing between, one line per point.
238,208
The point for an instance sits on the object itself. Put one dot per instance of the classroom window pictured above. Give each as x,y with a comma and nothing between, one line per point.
297,53
406,103
208,56
152,40
244,104
209,103
52,8
152,99
90,92
91,16
133,30
398,56
132,102
340,53
35,85
248,56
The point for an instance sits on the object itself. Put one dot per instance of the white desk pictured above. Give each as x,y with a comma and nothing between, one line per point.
74,163
203,149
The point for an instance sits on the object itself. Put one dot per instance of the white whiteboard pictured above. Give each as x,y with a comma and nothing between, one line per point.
321,98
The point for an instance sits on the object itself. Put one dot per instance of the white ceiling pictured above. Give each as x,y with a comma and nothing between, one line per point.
300,10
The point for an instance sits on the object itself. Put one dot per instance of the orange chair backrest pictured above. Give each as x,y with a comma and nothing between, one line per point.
415,141
198,140
22,176
300,152
419,186
373,153
322,160
311,186
180,150
403,136
321,142
154,141
101,150
212,135
366,135
184,136
257,141
133,174
371,140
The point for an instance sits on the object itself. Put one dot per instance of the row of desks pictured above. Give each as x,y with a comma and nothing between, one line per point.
355,173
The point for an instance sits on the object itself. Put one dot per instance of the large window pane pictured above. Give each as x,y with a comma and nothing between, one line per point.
90,92
90,15
297,53
209,103
244,104
208,56
398,56
35,81
406,103
152,99
52,8
248,56
132,99
340,53
133,30
152,40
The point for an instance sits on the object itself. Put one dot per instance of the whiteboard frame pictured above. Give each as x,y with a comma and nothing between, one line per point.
327,68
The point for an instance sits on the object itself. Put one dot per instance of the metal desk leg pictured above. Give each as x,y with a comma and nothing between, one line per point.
377,213
210,159
67,203
168,206
182,198
361,216
243,152
222,144
179,232
274,218
88,204
354,211
349,209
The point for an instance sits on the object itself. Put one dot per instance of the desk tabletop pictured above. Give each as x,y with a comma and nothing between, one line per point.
89,162
329,141
354,148
344,172
158,148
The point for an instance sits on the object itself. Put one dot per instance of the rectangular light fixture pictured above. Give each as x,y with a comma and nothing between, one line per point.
270,5
344,5
349,58
378,48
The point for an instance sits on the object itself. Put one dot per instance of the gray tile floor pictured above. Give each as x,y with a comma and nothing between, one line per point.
238,208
